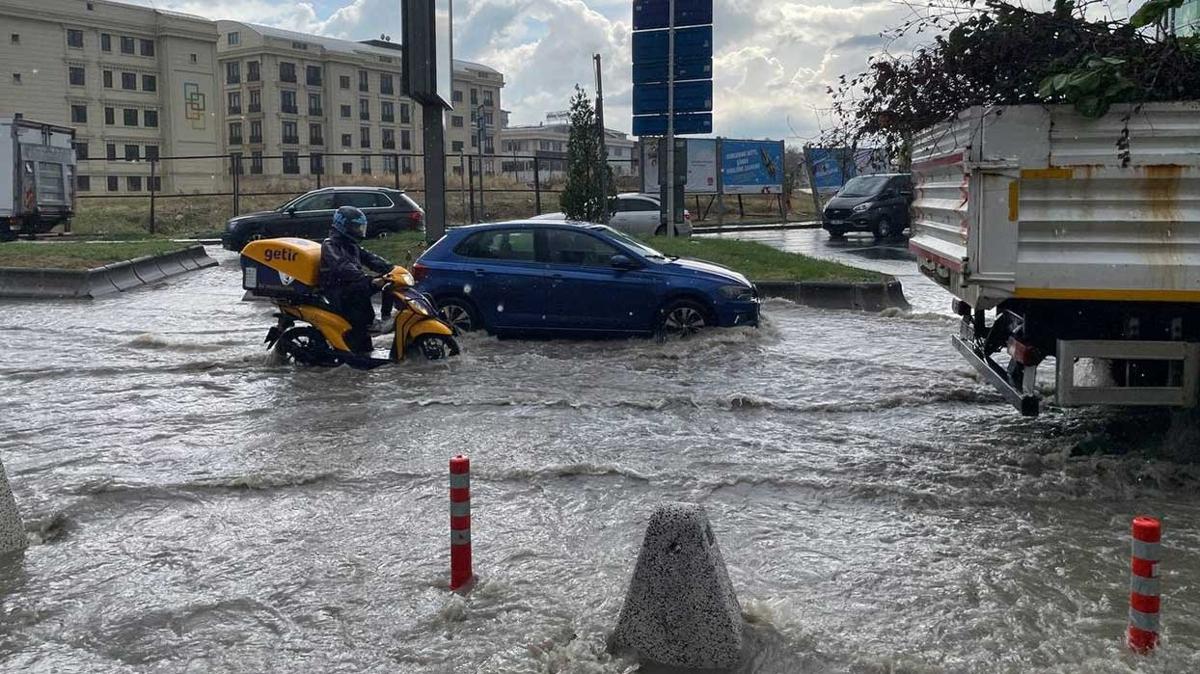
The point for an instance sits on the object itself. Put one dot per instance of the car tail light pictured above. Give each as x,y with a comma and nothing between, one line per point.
419,272
417,217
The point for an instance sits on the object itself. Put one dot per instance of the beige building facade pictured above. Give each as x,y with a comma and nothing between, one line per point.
135,83
548,142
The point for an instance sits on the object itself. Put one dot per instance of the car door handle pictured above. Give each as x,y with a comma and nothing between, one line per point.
480,272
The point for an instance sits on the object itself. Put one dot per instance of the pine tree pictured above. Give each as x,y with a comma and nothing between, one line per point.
580,199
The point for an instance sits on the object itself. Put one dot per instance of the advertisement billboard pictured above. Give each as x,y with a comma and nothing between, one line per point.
701,166
833,166
752,166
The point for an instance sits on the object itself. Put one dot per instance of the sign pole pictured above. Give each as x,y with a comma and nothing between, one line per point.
671,118
603,141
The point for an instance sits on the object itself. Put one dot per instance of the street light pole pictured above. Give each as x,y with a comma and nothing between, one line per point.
670,118
482,134
603,143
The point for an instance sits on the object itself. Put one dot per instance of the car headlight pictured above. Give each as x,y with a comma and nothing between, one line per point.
861,208
738,293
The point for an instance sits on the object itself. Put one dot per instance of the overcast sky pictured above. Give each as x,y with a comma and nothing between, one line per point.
774,58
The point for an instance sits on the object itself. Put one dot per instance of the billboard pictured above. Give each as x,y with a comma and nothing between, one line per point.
833,167
701,166
752,166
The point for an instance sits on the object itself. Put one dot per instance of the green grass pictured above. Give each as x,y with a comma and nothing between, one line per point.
401,248
760,262
78,254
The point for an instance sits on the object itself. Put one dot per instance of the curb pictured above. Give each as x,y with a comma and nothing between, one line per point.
871,297
717,229
25,283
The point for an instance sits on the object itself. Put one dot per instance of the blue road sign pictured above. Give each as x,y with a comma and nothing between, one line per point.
685,69
694,96
690,43
651,14
656,125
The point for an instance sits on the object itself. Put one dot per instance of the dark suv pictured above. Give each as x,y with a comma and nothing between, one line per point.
878,204
309,216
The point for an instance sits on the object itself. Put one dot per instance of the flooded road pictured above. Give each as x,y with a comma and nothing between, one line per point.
197,509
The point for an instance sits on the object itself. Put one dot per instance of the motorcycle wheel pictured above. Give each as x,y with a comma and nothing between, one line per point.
307,346
435,347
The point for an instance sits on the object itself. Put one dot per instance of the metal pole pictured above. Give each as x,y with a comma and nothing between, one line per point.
153,172
396,169
720,183
482,132
671,118
537,186
462,186
237,188
434,137
471,185
603,141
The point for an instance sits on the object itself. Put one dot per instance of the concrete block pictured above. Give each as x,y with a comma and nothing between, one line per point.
201,257
681,610
12,529
122,276
147,270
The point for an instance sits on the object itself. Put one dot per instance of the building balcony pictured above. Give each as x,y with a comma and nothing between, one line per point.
316,141
254,109
235,140
291,140
315,112
290,110
256,140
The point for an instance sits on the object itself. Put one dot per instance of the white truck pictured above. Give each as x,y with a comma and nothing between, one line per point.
37,176
1068,238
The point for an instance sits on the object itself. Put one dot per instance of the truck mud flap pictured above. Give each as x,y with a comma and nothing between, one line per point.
1027,405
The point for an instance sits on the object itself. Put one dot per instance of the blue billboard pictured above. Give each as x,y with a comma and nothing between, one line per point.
752,166
833,167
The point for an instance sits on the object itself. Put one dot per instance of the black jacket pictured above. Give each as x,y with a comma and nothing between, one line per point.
344,264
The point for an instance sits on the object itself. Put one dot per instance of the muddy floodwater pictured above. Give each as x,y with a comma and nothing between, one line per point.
194,508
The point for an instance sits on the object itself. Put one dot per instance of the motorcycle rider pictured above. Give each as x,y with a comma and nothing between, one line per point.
344,279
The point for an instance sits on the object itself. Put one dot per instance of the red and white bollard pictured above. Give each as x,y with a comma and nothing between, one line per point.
460,522
1143,585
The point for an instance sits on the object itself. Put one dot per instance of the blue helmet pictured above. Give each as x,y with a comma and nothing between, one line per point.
350,221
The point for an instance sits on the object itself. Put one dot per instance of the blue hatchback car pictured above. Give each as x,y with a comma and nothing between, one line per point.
563,277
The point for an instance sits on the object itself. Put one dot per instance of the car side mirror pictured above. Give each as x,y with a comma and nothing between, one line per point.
623,262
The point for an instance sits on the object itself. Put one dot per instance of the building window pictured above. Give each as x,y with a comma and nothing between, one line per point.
151,153
386,84
129,81
110,116
194,58
316,164
487,98
256,131
150,118
133,183
456,146
474,140
110,151
405,114
147,47
291,163
233,72
287,71
364,83
456,121
405,139
149,83
365,165
488,119
314,105
16,78
474,97
406,165
105,42
75,76
256,163
387,111
235,133
312,75
16,38
364,137
113,184
235,102
389,164
130,116
75,38
347,168
303,46
83,183
364,109
315,134
131,152
253,73
344,82
389,139
287,99
345,112
81,150
107,76
347,140
154,184
127,45
456,97
232,39
235,164
255,101
290,134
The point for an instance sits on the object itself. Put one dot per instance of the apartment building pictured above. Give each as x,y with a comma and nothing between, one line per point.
548,142
1186,19
136,83
476,98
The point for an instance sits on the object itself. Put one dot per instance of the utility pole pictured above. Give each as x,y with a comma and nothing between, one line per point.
482,133
671,118
603,143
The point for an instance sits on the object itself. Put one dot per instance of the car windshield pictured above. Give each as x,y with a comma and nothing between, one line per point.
863,186
638,247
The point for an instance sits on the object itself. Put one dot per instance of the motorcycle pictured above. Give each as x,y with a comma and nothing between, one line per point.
286,271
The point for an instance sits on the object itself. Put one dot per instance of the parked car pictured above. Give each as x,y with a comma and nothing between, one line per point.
559,277
637,215
310,215
878,204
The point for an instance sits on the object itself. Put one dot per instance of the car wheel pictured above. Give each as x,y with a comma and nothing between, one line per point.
884,231
662,230
461,314
682,319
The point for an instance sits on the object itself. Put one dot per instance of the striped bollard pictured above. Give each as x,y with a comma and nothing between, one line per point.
460,522
1143,585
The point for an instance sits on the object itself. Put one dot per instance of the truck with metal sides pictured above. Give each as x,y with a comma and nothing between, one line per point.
37,176
1068,239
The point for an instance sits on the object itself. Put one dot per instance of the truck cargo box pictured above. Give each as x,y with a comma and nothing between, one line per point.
1039,202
